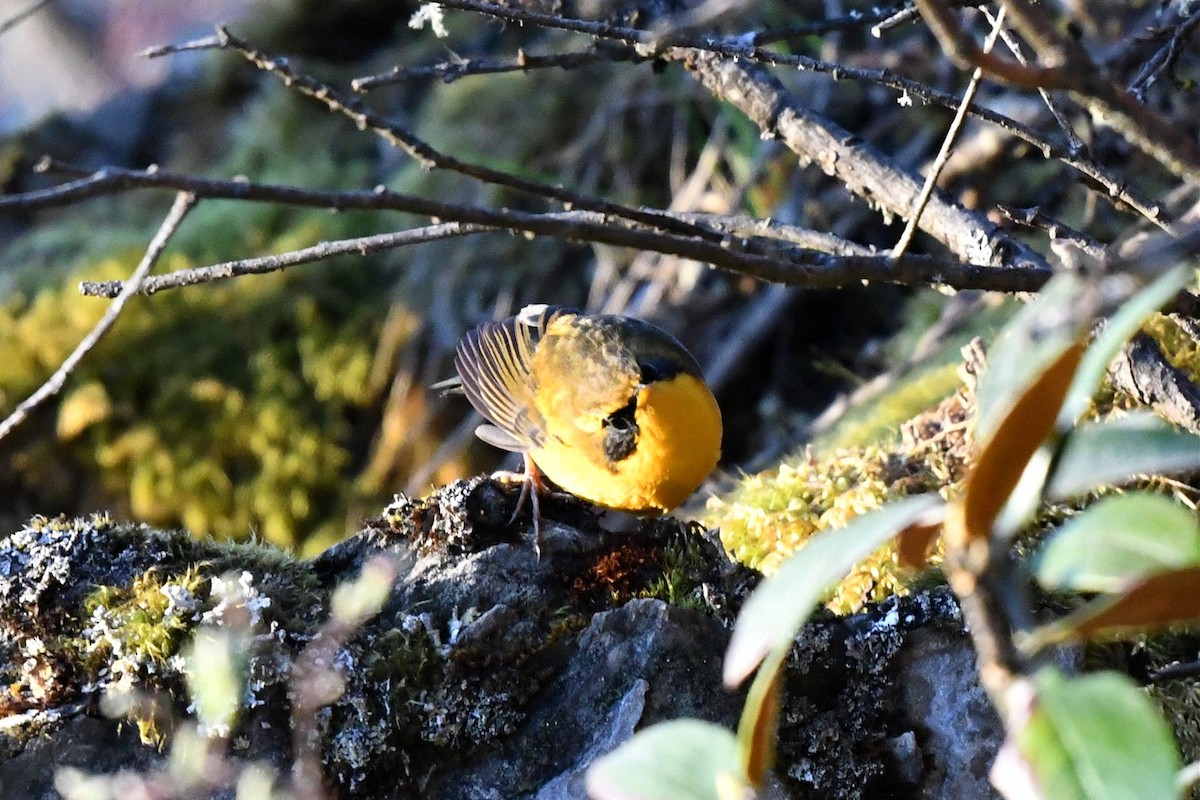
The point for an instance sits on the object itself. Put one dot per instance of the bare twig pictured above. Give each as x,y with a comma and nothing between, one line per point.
363,246
1036,218
1142,372
935,169
787,264
852,21
861,168
759,248
450,71
22,15
423,153
907,14
1164,59
183,204
1069,68
1075,145
735,49
750,227
1176,671
111,180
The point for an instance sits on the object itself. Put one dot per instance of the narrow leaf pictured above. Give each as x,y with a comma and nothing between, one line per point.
757,730
1120,328
1027,347
1004,456
1164,598
785,600
1097,737
1118,541
1115,452
685,759
914,543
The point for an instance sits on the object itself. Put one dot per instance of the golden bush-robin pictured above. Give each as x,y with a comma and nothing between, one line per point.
612,409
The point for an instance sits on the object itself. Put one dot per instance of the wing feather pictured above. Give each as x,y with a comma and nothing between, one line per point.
495,364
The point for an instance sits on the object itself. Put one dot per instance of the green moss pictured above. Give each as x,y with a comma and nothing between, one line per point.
934,377
144,622
1178,346
230,409
234,418
771,515
683,563
92,603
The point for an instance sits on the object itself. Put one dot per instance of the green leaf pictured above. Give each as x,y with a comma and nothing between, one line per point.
1097,737
1115,452
1117,541
757,729
1120,328
1159,600
685,759
778,608
1007,477
1029,345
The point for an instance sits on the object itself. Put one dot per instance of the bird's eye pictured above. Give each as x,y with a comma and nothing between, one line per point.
656,369
621,432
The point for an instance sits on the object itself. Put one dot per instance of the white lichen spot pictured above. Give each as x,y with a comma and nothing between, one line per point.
243,594
434,15
181,603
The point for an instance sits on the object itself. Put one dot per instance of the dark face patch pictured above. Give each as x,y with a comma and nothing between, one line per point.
657,368
621,433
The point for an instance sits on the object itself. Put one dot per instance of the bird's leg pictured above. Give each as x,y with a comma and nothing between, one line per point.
531,487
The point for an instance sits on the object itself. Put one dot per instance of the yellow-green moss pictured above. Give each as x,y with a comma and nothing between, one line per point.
226,410
771,515
879,420
1178,346
143,622
682,560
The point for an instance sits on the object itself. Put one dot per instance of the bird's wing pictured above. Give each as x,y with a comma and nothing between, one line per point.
494,362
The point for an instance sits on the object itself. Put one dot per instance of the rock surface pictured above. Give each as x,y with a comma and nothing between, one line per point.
487,672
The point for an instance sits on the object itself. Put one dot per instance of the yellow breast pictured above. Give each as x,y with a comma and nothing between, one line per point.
678,444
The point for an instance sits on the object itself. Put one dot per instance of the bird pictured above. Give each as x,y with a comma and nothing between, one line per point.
612,409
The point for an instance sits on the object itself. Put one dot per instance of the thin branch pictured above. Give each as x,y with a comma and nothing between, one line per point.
854,20
906,14
910,227
861,168
1035,218
644,42
426,155
756,247
182,205
785,264
1069,68
1074,143
450,71
748,227
361,246
1164,59
21,16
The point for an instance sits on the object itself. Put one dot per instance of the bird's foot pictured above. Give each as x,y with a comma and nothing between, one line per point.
531,488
